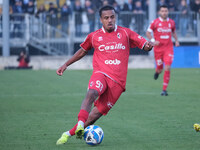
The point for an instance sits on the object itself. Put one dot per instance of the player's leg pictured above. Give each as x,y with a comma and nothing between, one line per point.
93,117
159,64
91,96
82,117
105,102
97,86
168,59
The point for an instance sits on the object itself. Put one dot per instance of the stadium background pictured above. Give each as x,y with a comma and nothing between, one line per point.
57,27
36,106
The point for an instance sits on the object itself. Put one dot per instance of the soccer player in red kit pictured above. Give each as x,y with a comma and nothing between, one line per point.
111,46
163,29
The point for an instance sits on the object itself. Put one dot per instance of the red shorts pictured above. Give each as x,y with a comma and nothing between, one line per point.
165,57
109,92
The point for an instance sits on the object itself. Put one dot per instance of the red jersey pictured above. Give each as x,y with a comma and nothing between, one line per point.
162,31
111,51
22,63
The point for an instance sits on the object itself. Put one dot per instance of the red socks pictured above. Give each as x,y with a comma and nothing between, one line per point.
82,116
72,131
166,79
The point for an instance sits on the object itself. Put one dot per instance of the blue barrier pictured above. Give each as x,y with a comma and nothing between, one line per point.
186,57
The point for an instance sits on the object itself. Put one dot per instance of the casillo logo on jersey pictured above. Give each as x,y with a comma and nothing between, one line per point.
112,47
112,62
164,30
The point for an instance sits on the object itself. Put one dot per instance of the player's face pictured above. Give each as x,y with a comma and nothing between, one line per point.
108,20
163,13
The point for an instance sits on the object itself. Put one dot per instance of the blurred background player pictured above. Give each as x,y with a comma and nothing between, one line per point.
111,46
163,29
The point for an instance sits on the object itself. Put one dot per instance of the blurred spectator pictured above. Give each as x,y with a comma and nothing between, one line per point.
30,8
196,6
25,4
52,16
127,16
128,6
18,18
78,17
65,13
138,7
160,3
41,13
23,59
97,3
58,4
111,2
105,2
116,6
90,10
171,6
139,16
184,10
146,8
176,3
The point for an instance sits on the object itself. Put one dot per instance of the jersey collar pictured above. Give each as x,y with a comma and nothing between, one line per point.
162,19
105,31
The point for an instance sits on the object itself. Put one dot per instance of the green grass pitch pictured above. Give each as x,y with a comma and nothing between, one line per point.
37,106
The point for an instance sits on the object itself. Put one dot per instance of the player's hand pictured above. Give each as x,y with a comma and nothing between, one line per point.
148,46
177,43
61,70
156,43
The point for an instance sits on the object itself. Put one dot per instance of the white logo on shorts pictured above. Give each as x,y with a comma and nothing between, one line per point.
110,105
159,62
99,85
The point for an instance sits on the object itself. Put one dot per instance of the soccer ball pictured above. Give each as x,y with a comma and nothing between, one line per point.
93,135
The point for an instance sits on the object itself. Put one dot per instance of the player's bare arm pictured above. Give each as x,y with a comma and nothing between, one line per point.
148,46
150,37
176,39
77,56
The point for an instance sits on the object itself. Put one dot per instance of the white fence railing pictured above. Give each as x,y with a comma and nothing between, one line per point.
37,31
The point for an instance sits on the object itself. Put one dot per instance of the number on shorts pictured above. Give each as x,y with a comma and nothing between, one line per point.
99,85
159,62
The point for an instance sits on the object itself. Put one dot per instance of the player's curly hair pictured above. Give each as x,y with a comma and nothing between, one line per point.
106,7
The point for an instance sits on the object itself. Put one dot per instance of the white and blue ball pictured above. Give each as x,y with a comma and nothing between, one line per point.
93,135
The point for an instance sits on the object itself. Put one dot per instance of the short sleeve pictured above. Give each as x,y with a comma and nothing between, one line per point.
136,40
151,27
87,44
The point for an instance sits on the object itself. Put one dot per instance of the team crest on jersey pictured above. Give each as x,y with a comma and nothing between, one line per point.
169,25
119,35
100,38
160,24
